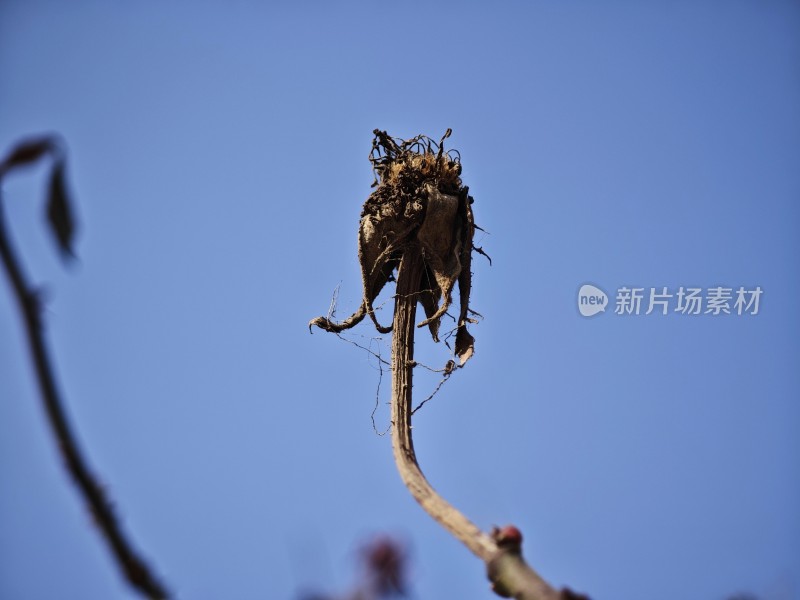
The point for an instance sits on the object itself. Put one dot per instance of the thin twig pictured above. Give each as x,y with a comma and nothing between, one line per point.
134,568
448,371
377,355
381,362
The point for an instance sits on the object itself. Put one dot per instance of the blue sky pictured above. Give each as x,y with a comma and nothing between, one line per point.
218,157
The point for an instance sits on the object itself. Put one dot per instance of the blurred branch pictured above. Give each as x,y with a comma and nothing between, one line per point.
134,568
384,573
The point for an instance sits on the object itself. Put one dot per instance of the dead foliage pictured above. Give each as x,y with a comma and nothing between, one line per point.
419,201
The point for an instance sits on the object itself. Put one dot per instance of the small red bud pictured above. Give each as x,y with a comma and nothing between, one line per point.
507,536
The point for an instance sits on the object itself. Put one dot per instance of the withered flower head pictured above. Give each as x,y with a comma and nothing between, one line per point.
421,202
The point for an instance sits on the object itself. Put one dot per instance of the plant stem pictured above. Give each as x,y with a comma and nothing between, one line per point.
511,576
408,288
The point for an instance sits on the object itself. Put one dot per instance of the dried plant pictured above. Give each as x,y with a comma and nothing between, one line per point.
419,224
421,202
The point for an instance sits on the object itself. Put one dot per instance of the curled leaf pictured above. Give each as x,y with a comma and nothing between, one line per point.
27,152
59,211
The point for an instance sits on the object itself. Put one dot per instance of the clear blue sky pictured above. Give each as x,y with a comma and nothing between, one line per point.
218,155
